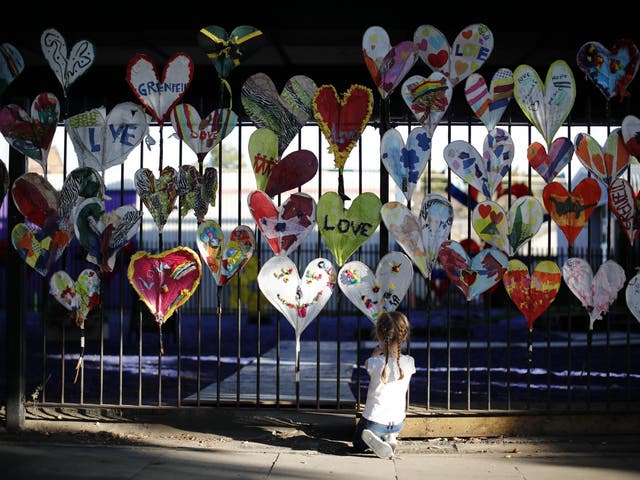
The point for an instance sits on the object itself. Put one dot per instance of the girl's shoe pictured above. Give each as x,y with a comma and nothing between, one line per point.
381,448
392,440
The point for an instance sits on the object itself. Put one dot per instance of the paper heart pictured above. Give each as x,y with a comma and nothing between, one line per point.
508,232
631,134
4,181
382,291
406,162
420,237
31,134
67,66
545,105
469,51
165,281
571,211
158,195
532,294
299,299
632,296
489,104
202,134
345,230
623,202
482,171
595,292
224,260
159,95
197,191
607,164
104,234
610,70
284,114
472,276
226,50
387,64
549,165
38,248
81,183
428,98
102,141
79,296
284,227
11,65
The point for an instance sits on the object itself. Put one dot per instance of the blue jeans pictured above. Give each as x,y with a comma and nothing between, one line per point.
377,428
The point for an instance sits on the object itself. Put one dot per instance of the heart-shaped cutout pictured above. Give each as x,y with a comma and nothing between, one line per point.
489,104
227,50
38,248
632,296
11,65
197,191
36,199
623,202
550,165
631,134
606,164
67,66
160,194
79,296
428,98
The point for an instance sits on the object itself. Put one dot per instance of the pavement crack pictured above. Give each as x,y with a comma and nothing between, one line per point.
522,476
273,464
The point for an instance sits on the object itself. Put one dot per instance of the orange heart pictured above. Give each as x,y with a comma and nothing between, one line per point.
461,67
467,34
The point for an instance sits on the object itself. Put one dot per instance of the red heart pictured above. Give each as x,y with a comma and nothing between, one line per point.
496,217
468,277
484,210
467,34
437,60
291,172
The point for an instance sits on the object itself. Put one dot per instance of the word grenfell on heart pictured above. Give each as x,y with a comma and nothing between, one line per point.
149,88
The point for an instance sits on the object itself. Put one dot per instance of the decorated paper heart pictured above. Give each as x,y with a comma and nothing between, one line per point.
428,98
607,164
11,65
225,259
623,202
165,281
227,50
202,134
79,296
571,210
387,64
482,171
104,234
532,294
420,237
4,181
405,162
286,226
81,183
631,134
469,51
39,248
382,291
197,191
610,70
160,95
508,232
67,66
36,199
158,195
299,299
284,114
32,134
632,296
472,276
102,141
549,165
345,230
547,104
595,292
489,104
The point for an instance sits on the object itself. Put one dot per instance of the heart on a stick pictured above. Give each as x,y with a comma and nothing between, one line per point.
79,296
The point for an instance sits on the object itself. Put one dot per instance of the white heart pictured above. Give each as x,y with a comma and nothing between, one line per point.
490,103
66,67
632,296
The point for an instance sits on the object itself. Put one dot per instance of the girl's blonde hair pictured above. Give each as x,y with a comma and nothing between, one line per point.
393,328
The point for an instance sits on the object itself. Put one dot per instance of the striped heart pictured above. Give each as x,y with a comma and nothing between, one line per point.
606,164
489,104
11,65
549,165
226,50
428,98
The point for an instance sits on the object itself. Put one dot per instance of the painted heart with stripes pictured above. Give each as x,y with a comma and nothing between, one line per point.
489,104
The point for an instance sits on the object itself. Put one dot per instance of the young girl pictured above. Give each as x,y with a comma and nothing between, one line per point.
390,372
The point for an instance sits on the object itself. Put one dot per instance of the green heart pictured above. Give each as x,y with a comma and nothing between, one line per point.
263,150
345,230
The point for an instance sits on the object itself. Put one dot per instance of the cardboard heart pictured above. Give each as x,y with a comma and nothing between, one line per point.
595,292
227,50
547,104
469,51
420,236
571,211
549,165
32,134
160,95
165,281
382,291
286,226
610,70
345,230
632,296
532,294
606,164
102,141
631,134
472,276
202,134
406,162
67,66
158,195
387,64
623,202
482,171
38,248
36,199
428,98
224,260
197,191
299,299
489,104
79,296
11,65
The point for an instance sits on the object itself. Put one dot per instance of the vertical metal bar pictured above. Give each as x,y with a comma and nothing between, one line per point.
178,320
468,303
139,310
449,289
237,280
121,284
318,254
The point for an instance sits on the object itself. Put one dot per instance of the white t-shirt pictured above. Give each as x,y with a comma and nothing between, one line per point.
386,402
